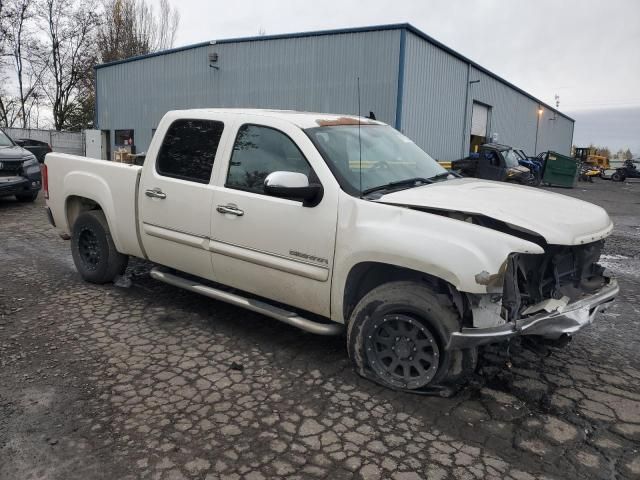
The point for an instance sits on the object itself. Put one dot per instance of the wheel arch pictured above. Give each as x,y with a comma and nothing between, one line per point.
84,192
76,205
365,276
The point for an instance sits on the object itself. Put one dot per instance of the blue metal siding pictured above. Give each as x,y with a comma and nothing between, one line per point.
407,79
514,117
555,133
434,95
439,91
316,73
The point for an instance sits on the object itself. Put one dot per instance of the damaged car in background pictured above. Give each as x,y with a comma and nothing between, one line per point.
331,223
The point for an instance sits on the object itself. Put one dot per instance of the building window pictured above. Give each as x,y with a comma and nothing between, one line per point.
124,138
259,151
189,149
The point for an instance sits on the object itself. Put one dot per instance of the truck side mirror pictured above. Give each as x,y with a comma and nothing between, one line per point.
294,186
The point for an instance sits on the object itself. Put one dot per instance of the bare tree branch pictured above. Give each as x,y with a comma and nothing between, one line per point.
132,28
71,28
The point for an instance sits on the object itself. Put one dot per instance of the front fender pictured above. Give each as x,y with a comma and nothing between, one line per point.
458,252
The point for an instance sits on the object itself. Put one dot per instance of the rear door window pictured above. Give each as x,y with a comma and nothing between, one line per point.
189,149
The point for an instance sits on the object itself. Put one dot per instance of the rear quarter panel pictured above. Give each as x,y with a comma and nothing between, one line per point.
111,185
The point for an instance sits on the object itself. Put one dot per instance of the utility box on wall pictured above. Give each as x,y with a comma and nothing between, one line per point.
94,147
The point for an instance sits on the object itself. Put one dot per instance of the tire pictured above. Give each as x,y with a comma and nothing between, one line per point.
537,179
27,197
617,177
384,315
93,251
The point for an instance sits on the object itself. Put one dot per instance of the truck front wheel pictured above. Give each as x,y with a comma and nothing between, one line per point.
93,250
397,336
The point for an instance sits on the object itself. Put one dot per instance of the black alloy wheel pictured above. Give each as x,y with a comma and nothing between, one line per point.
89,248
402,351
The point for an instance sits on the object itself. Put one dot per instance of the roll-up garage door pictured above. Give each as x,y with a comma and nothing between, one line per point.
479,119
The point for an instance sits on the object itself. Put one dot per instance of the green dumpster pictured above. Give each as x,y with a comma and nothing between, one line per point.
560,171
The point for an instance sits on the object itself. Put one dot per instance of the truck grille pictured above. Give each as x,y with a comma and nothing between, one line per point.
562,271
10,167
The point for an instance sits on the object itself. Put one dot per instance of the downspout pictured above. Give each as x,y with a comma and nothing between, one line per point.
538,115
95,96
400,87
466,108
573,126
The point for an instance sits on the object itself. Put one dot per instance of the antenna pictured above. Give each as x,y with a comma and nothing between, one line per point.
359,140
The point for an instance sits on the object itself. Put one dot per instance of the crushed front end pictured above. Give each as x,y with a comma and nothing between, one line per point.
551,296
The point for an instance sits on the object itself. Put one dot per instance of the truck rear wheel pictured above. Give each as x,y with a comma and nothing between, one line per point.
397,336
93,250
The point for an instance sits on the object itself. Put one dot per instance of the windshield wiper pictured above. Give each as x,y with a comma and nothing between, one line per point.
408,183
440,176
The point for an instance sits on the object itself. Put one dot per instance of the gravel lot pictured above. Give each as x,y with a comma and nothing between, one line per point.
154,382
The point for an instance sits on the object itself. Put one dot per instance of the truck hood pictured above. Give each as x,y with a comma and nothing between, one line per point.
12,153
559,219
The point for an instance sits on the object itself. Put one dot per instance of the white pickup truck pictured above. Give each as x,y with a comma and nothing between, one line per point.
326,221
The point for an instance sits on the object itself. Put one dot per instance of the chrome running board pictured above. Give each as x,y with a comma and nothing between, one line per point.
257,306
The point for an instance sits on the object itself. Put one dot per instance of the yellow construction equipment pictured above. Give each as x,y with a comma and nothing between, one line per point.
589,155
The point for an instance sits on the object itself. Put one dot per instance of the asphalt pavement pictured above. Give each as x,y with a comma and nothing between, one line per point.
152,382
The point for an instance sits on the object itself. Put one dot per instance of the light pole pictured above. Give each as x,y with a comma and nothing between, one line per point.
540,112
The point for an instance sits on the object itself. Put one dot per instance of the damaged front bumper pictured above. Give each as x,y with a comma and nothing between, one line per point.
552,325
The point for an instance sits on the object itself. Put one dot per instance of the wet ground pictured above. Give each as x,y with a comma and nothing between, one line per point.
101,382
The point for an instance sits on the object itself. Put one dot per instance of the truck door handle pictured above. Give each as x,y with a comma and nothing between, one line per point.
232,209
155,193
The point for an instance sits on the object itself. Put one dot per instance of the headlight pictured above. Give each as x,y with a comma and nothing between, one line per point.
29,161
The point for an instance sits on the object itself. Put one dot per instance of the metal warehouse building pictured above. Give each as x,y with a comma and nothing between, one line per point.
443,101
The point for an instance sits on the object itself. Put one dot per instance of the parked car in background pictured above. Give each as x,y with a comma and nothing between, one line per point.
628,170
37,147
19,171
332,223
494,162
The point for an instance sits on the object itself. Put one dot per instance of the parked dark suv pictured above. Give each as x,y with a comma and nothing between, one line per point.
19,171
37,147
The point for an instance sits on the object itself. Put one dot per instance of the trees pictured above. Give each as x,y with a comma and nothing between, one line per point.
71,33
48,49
20,62
28,60
132,28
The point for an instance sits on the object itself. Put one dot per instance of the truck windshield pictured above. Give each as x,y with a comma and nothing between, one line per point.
510,158
387,156
5,141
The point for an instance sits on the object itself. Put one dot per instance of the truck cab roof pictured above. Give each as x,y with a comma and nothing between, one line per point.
301,119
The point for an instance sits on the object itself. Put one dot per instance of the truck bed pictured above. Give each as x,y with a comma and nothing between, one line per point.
111,185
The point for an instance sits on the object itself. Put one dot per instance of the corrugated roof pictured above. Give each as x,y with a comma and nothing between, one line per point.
318,33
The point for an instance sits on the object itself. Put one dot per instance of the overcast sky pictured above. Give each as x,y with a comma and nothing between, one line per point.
586,51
